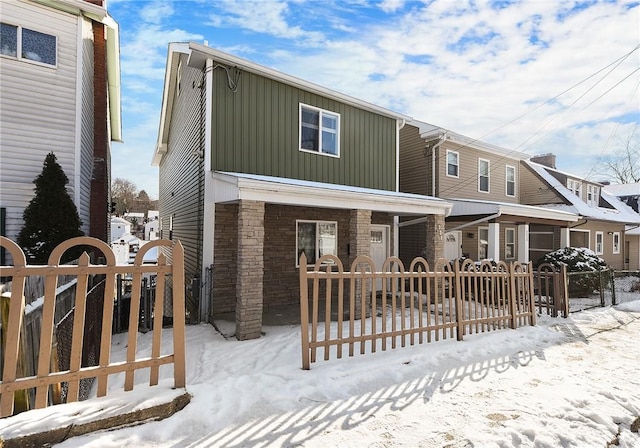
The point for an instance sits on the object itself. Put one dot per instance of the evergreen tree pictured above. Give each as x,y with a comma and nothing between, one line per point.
51,217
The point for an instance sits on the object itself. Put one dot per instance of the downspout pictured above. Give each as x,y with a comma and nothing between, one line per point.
477,221
396,219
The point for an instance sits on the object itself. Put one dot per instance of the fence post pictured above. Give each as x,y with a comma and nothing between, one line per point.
304,311
532,298
459,309
612,278
513,309
564,290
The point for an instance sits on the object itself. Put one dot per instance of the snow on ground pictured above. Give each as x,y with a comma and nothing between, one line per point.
566,382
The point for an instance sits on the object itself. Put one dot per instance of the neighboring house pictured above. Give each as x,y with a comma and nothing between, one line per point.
119,227
152,230
257,167
59,90
630,195
489,220
604,219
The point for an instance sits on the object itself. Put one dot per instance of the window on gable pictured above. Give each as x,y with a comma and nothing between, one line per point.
511,181
483,175
315,239
575,186
599,243
26,44
593,195
616,242
319,131
453,163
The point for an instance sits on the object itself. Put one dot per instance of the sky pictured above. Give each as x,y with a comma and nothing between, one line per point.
565,382
536,76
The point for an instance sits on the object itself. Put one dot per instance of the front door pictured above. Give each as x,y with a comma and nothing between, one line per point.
453,245
379,245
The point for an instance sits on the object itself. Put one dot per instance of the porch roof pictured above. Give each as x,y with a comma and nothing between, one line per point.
472,207
230,187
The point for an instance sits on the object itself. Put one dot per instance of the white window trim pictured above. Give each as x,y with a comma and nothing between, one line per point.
18,56
575,186
480,244
506,242
338,127
446,168
593,195
506,181
316,222
599,251
488,176
616,248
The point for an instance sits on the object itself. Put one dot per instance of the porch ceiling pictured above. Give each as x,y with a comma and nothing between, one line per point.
231,187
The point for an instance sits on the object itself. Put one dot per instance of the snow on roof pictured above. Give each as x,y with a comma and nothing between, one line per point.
623,189
620,212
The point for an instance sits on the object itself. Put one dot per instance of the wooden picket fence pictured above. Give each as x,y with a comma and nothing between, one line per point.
365,307
13,380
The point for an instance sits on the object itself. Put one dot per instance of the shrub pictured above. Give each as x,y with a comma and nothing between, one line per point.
578,259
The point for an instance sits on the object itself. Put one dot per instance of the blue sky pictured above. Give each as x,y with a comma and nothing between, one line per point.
535,76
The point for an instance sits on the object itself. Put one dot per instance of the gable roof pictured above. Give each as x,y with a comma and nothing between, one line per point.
198,56
620,212
623,189
431,132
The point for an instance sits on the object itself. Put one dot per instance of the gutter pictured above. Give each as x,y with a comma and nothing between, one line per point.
441,139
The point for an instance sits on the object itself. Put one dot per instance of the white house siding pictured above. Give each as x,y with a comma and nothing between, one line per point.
86,124
28,133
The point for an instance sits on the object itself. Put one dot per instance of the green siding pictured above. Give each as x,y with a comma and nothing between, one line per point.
256,130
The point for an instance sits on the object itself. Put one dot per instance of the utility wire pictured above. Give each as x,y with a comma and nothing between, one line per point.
473,179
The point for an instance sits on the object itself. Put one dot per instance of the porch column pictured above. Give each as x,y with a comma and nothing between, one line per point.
359,244
493,251
250,269
434,247
565,238
523,243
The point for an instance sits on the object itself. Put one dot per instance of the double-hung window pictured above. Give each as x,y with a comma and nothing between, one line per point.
315,239
483,242
593,195
575,186
483,175
511,181
509,243
453,163
25,44
616,242
319,131
599,243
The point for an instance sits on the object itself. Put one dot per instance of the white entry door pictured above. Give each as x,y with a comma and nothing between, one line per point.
453,245
379,245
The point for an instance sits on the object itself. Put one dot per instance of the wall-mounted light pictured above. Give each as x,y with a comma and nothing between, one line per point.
609,233
470,235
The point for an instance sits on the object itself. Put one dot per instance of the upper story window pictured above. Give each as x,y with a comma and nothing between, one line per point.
593,195
575,186
483,175
319,131
511,181
453,163
25,44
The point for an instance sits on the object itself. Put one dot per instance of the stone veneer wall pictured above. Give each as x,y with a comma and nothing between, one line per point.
250,270
280,282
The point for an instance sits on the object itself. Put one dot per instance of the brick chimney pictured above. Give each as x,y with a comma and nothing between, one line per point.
548,160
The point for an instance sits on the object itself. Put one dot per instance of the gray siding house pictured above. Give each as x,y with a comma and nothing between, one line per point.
59,90
258,167
486,185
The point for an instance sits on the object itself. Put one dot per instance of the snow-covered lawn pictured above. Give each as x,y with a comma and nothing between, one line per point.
566,382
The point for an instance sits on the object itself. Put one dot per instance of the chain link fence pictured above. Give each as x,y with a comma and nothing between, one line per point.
602,288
